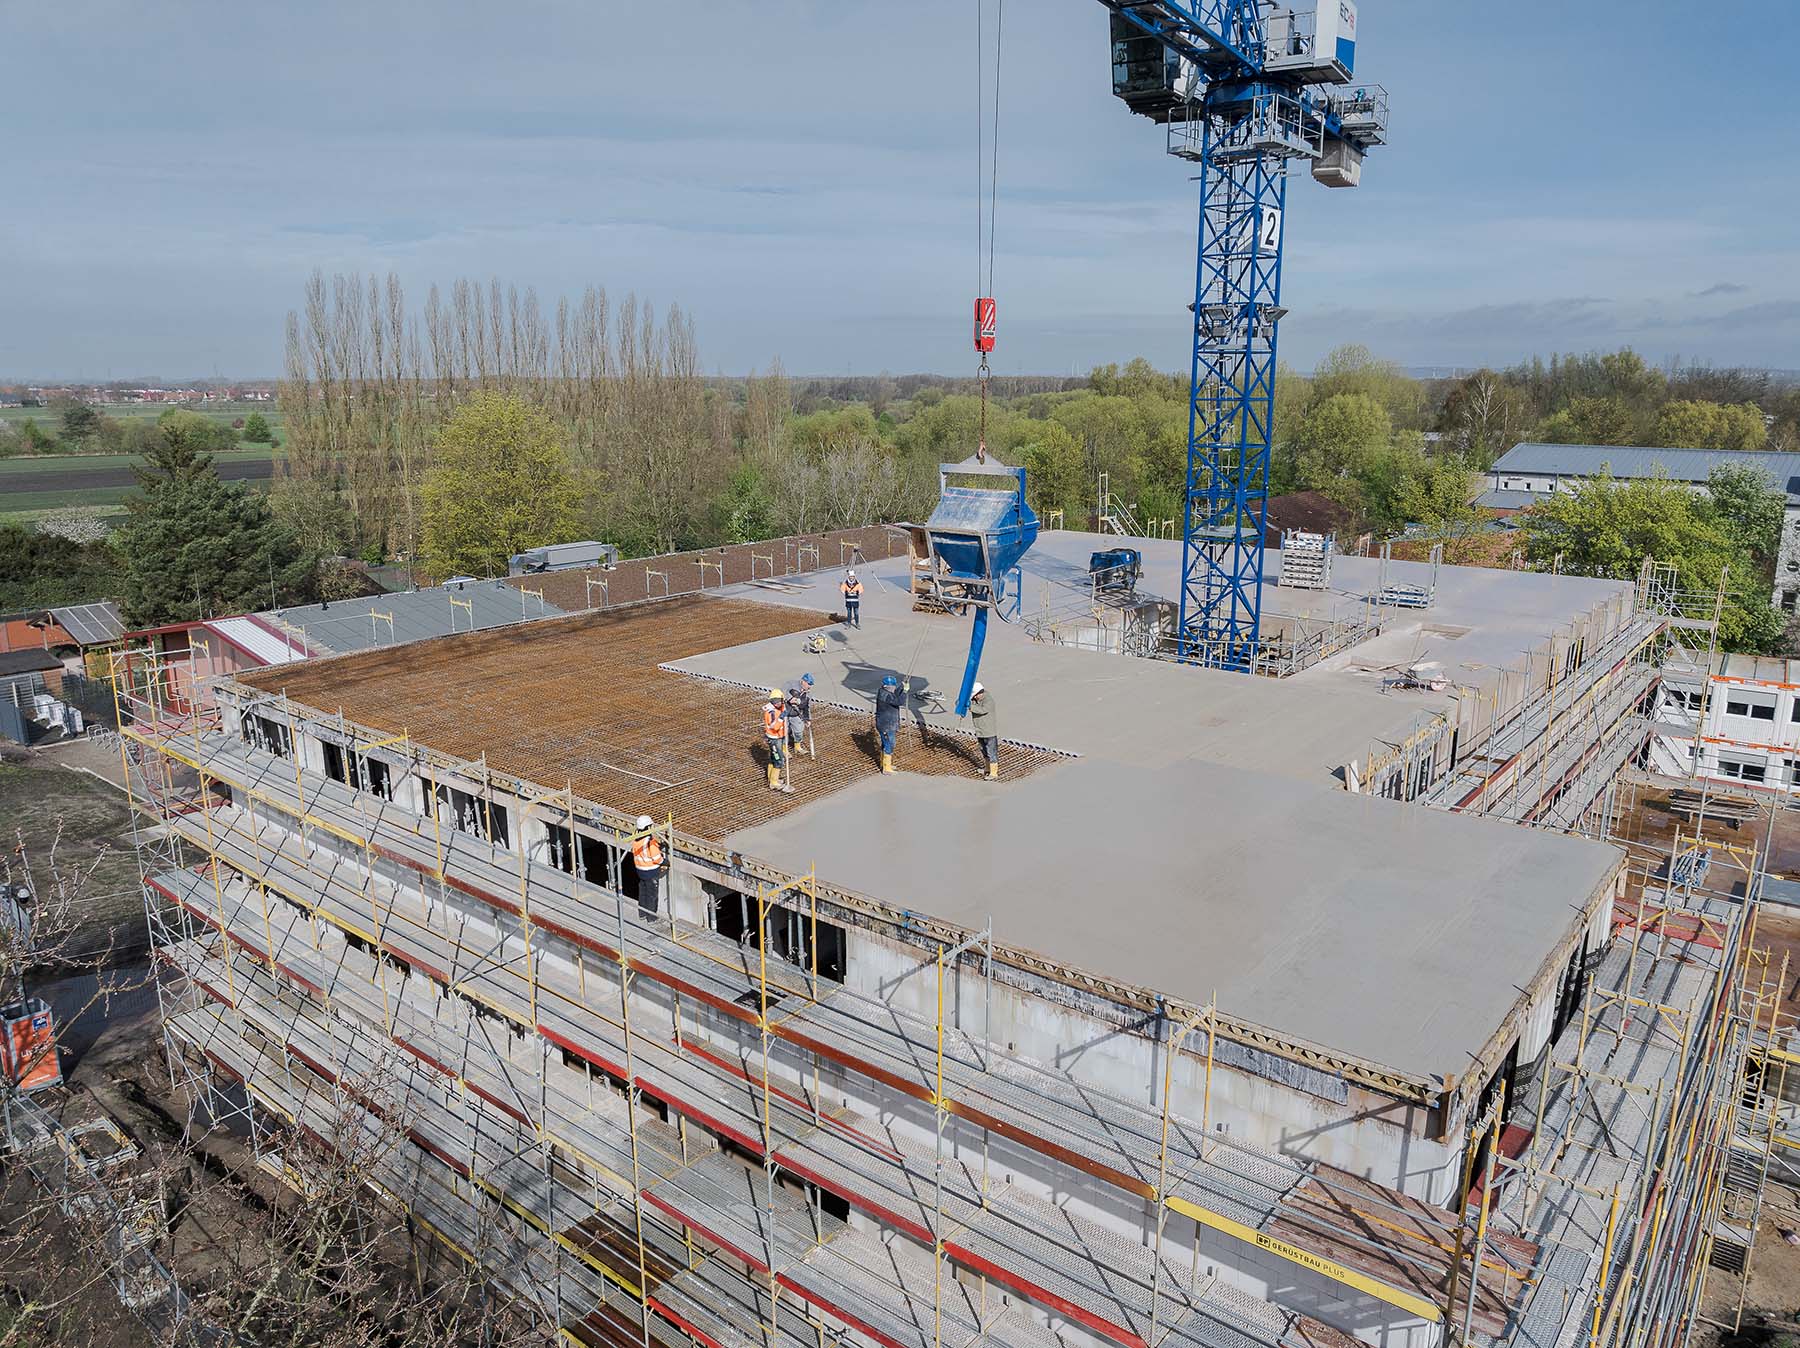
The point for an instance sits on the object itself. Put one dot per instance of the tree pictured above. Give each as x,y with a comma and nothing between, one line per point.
35,438
1055,478
501,483
200,431
1704,425
1335,441
1484,416
1747,503
1356,369
1438,495
1594,421
42,569
747,508
80,423
195,547
1607,527
256,429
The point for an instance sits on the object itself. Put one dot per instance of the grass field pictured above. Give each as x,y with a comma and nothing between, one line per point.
82,464
32,486
226,412
14,504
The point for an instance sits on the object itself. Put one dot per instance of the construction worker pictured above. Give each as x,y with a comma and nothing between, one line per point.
852,588
799,715
986,728
889,703
647,860
775,737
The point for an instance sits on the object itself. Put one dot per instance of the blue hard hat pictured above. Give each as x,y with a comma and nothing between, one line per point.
806,679
890,682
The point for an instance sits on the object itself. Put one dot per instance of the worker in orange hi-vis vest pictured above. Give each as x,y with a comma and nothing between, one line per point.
852,588
647,860
775,739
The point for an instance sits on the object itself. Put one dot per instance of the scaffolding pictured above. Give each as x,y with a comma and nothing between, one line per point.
1620,1164
588,1079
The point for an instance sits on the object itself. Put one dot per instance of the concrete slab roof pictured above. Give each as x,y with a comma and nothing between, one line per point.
1399,935
1202,841
1308,726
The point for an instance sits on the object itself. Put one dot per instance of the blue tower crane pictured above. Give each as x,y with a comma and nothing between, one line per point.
1243,86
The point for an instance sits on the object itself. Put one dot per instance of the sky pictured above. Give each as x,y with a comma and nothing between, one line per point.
801,177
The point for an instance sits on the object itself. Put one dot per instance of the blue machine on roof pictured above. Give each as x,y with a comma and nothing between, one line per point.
981,528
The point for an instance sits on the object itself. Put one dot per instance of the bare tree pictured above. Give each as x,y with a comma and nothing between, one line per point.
53,1288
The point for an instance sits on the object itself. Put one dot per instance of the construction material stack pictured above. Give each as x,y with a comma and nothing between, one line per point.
1306,560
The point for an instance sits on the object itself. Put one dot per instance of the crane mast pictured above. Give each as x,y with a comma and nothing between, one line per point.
1243,87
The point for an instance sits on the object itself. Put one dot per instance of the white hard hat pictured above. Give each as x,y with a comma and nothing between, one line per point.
976,691
645,821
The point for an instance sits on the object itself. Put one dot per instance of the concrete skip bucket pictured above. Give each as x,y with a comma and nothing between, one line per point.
981,528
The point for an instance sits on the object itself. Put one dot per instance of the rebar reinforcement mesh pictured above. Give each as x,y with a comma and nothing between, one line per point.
579,701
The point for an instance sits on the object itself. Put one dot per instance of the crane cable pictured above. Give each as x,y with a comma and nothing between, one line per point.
987,157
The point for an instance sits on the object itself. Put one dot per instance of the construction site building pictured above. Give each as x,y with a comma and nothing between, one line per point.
1242,1010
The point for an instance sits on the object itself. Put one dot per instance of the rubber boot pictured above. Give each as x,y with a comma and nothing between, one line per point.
887,762
993,772
774,776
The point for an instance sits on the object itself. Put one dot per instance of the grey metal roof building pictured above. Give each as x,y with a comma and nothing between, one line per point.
387,619
1681,465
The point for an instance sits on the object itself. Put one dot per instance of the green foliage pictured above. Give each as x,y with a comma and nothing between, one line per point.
1706,425
1484,416
1336,441
1138,379
1055,476
80,423
35,438
1438,494
256,429
1355,369
1607,527
1595,421
817,433
1749,505
748,511
501,483
1111,432
200,431
195,547
39,570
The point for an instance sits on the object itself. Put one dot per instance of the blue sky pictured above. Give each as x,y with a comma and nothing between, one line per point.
801,176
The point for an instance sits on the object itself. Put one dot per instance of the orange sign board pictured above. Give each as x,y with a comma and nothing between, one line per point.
28,1046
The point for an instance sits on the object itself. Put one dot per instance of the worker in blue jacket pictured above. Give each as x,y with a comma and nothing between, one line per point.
889,703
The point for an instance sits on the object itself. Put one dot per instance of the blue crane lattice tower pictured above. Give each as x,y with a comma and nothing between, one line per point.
1243,86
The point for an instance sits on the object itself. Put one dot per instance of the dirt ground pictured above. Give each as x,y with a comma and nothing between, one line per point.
1644,821
1772,1308
69,821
